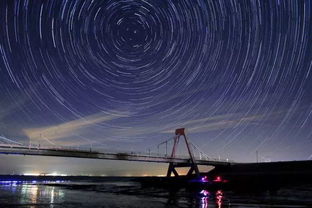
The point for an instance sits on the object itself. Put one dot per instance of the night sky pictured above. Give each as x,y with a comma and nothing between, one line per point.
123,74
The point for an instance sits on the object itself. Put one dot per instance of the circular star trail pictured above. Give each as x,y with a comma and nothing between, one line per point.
124,73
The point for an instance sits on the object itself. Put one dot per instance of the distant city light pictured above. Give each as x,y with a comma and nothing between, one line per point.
43,174
31,174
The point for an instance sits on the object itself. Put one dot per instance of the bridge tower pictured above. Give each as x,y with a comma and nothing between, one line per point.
192,162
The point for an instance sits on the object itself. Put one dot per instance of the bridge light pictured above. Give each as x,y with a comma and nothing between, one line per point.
218,179
204,179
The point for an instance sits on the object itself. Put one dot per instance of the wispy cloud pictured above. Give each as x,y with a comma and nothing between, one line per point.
68,129
219,122
224,124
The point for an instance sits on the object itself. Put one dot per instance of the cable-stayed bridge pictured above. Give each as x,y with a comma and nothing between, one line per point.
174,160
92,154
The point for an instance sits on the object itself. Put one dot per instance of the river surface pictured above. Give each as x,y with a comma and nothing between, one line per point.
124,192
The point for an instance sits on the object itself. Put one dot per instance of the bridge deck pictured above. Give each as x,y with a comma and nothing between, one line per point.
57,152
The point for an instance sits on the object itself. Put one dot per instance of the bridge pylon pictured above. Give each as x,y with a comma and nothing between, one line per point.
192,162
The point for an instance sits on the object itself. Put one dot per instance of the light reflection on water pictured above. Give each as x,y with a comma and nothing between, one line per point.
204,202
219,197
29,193
69,194
35,194
206,196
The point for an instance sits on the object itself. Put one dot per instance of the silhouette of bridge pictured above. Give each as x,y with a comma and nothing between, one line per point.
174,161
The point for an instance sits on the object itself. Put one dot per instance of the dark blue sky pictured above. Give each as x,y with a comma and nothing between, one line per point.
124,74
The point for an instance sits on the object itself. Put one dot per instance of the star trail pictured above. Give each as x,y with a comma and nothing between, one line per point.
123,74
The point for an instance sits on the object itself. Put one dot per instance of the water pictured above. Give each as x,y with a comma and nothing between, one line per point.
128,193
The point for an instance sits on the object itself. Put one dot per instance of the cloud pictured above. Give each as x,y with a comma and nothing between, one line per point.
218,122
225,124
68,129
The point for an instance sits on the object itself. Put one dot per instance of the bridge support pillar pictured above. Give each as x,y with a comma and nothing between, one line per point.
192,163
